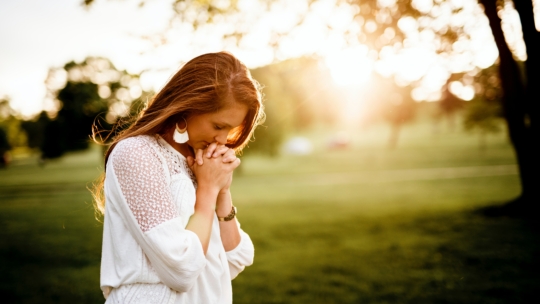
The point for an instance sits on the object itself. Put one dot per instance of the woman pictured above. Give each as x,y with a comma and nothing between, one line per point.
170,231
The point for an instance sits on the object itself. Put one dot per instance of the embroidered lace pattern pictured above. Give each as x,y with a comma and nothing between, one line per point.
142,180
175,162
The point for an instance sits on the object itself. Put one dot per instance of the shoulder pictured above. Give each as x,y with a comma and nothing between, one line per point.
130,144
135,147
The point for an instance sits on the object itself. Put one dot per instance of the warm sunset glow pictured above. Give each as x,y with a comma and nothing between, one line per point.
465,92
536,9
513,33
304,28
350,66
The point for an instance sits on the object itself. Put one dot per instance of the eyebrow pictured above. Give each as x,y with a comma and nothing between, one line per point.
223,124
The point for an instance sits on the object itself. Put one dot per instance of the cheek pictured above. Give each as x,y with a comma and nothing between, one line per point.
202,132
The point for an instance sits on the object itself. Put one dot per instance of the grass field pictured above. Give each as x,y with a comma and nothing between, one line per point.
362,225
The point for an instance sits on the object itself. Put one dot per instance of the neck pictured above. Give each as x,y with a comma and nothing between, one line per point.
184,148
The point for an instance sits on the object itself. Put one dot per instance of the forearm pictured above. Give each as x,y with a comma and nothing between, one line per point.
201,220
230,234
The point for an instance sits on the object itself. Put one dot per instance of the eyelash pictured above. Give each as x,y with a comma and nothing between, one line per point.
218,127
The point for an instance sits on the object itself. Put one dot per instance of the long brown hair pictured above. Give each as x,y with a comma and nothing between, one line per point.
202,85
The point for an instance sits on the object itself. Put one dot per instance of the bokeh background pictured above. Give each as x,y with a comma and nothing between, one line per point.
396,165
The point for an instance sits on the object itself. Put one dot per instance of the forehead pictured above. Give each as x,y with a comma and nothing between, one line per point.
233,114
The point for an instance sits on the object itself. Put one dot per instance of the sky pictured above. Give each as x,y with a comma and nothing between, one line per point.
36,35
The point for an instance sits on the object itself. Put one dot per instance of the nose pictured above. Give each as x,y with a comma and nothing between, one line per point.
221,138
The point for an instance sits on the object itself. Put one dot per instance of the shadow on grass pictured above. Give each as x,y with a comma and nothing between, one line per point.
403,257
457,257
49,250
518,208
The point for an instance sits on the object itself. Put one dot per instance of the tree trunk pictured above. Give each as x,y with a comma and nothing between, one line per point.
516,102
532,92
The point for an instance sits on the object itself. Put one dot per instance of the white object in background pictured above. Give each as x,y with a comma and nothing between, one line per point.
298,146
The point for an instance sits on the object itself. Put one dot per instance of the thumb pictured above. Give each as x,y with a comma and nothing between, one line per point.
199,157
190,161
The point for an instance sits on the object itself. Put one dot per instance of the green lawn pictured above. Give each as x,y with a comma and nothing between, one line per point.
363,225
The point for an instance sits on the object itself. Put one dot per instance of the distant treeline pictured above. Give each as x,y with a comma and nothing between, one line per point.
298,94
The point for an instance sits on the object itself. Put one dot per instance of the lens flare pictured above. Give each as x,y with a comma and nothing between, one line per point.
350,66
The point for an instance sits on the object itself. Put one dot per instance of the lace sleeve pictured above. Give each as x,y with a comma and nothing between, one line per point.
142,180
138,195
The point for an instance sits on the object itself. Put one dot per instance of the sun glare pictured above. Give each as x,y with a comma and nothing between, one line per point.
350,66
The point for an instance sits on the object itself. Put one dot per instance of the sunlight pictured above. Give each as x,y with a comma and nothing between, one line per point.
350,66
511,26
536,10
465,92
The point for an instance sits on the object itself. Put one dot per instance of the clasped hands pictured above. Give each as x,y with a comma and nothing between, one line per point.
213,166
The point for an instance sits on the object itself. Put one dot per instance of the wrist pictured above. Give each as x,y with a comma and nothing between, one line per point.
224,204
207,190
206,199
224,191
230,216
223,210
204,210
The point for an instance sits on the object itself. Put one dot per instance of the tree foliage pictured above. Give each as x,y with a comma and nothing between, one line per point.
10,124
90,93
387,26
485,112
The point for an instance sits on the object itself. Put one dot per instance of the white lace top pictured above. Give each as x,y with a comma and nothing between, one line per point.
148,256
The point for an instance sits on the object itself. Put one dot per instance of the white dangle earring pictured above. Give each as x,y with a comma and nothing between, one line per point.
181,135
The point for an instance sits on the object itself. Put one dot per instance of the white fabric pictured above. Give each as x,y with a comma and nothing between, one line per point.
148,256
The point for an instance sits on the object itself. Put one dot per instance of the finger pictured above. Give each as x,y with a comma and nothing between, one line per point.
199,157
190,161
220,150
229,156
235,163
210,149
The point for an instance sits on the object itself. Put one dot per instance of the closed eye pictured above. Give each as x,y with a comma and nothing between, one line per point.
217,127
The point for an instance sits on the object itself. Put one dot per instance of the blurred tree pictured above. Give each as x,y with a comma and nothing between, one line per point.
55,140
484,117
11,125
4,148
376,23
5,108
401,111
34,130
484,112
387,26
390,25
81,104
279,107
90,93
520,100
4,142
297,95
450,104
390,103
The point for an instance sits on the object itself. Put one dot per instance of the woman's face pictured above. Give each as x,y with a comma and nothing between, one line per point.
207,128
